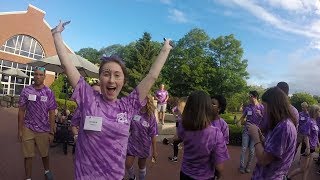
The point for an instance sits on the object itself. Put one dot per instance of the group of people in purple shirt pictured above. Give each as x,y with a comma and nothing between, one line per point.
112,132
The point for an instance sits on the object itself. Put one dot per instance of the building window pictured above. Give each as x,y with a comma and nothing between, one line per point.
24,45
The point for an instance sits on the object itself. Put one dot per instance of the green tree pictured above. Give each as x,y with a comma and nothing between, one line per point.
90,54
188,67
139,57
230,67
57,85
317,98
299,98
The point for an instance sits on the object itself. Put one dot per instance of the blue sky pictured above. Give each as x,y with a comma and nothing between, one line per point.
281,38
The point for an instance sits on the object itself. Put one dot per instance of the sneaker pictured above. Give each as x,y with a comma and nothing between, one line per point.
49,175
242,171
173,159
318,172
247,170
165,141
133,178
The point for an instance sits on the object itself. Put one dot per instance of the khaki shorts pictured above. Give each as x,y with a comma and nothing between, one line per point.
162,107
30,139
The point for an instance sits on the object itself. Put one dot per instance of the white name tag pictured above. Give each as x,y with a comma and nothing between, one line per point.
249,113
302,118
93,123
316,128
44,98
32,97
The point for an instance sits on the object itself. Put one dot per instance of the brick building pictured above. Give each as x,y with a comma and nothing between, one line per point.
24,36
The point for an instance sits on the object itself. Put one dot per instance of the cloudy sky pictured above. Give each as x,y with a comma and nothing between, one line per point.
281,38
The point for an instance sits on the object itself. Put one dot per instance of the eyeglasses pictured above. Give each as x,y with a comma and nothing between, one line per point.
40,68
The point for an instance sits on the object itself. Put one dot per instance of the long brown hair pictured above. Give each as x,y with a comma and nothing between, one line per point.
278,107
115,59
149,108
197,113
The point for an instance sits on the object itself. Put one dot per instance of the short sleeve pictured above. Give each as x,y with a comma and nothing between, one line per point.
23,99
83,93
219,153
276,142
225,131
153,131
52,101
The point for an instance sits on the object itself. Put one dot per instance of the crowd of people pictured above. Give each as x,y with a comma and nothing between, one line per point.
110,133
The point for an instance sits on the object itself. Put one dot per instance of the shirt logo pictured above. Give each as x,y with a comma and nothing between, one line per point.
44,98
145,124
122,118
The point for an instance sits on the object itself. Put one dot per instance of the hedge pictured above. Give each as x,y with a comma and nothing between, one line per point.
235,135
71,105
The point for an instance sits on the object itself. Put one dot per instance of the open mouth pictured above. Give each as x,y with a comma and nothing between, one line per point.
111,90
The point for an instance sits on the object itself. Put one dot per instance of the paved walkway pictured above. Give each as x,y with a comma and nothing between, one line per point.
11,160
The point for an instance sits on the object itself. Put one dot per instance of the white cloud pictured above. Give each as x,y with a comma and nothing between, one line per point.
261,12
177,16
300,6
166,1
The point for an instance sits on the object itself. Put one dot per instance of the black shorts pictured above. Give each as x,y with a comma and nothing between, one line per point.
304,147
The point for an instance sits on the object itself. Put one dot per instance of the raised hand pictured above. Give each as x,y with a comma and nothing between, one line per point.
168,44
60,27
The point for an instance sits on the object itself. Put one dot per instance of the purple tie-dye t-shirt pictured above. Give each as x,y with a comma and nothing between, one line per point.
202,151
223,126
143,128
38,103
318,123
162,95
280,143
313,132
252,115
304,119
101,155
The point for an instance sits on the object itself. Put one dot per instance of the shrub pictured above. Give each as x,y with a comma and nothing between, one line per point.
235,135
71,105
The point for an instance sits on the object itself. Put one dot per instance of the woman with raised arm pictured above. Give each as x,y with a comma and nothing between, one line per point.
105,119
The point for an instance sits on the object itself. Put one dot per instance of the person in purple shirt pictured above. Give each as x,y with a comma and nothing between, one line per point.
143,132
162,97
254,114
312,142
275,152
303,124
219,106
36,121
176,140
285,88
205,150
105,120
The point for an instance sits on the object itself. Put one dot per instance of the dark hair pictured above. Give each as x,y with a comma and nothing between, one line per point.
197,113
254,94
278,107
284,87
222,102
116,59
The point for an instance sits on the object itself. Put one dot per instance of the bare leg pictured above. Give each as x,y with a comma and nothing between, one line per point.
129,166
45,162
142,168
28,167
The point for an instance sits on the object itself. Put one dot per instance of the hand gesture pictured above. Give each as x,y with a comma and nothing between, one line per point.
167,43
60,27
20,135
253,131
154,157
51,137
